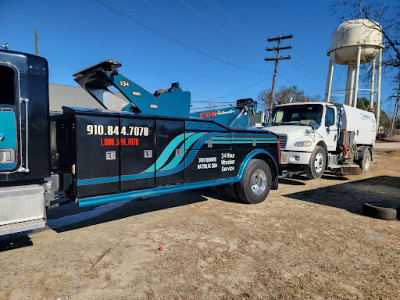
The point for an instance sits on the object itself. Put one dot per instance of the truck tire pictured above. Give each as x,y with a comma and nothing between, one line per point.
317,164
231,190
365,163
379,210
256,182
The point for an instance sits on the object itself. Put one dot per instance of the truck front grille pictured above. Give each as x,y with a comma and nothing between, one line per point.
282,140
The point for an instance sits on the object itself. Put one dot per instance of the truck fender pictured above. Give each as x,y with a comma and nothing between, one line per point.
361,152
267,157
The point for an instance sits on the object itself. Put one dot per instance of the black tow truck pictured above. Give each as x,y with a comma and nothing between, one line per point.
139,145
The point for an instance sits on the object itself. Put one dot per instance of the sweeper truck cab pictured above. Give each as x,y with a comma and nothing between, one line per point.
316,136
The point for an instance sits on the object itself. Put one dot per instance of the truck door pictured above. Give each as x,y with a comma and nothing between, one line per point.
170,152
97,154
331,128
137,158
9,160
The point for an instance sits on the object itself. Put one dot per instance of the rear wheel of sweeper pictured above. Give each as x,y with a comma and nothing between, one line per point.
317,164
256,182
365,163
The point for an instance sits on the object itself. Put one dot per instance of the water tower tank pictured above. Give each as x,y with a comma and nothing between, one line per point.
354,33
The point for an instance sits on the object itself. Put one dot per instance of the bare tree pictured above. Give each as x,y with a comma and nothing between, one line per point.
385,18
284,95
265,98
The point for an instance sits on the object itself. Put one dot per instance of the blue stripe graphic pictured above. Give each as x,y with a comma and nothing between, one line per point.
137,176
170,189
97,180
162,159
176,164
177,159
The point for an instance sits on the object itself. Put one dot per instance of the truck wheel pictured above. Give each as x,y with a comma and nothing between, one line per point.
231,190
365,163
256,182
317,164
379,210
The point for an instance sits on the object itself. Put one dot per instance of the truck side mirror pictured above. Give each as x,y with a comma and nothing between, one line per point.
314,126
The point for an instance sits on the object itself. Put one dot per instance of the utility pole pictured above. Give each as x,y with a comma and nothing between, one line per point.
276,59
396,109
36,42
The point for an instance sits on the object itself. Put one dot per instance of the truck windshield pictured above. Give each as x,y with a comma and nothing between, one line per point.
305,115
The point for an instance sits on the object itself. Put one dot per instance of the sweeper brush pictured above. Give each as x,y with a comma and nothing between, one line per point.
347,170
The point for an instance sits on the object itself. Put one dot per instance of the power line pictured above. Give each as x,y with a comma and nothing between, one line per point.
286,79
177,41
204,17
160,10
302,72
233,93
221,9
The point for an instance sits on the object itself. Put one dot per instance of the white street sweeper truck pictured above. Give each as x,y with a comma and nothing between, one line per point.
319,136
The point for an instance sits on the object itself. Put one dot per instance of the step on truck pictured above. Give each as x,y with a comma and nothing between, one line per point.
139,145
319,136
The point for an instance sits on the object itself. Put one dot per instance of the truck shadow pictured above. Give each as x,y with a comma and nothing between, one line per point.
351,195
300,179
15,241
72,217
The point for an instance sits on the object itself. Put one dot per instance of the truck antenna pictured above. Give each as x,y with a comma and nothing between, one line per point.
4,46
36,42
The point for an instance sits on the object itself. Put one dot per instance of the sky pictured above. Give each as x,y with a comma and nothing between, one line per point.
214,48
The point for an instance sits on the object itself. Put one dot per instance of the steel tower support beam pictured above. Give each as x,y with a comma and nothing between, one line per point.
357,76
330,76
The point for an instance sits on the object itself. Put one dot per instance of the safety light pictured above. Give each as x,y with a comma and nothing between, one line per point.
73,169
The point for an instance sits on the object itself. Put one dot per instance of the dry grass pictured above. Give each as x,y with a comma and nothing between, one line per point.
308,240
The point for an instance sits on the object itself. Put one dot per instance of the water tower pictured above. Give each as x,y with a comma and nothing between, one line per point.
353,43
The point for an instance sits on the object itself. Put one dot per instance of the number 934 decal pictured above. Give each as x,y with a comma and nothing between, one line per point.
123,83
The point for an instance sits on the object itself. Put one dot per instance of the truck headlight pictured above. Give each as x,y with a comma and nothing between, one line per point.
7,156
302,144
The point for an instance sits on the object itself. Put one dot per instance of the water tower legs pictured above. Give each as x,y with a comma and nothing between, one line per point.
371,94
378,91
350,84
330,76
357,76
347,91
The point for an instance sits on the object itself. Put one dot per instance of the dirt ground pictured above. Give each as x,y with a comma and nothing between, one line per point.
308,240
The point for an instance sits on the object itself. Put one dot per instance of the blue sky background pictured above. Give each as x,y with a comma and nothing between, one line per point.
74,34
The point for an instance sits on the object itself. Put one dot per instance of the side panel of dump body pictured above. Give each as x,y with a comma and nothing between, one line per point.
24,108
170,144
137,153
121,156
97,154
210,142
250,140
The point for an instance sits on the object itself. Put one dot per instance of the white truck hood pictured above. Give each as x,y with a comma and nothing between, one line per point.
292,129
290,134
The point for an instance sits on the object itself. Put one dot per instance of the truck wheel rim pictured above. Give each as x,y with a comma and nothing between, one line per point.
258,181
367,162
319,162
